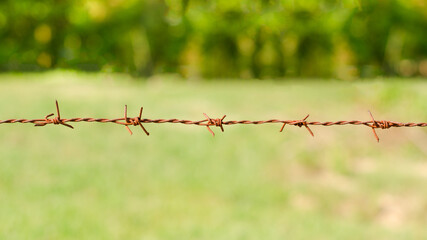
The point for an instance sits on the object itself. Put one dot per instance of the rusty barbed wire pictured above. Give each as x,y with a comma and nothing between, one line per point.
208,122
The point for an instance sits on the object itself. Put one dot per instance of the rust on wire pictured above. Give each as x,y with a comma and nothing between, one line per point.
134,121
214,122
56,120
378,124
218,122
298,123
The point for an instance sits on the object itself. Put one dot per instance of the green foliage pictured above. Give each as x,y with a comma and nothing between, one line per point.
222,38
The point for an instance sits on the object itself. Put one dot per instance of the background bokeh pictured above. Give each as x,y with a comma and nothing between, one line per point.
182,58
249,182
344,39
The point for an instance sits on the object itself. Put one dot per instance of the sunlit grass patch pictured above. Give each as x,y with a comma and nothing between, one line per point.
249,182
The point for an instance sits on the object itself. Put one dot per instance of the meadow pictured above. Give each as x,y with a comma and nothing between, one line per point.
248,182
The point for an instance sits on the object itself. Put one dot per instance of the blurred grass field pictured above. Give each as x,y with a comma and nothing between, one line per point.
250,182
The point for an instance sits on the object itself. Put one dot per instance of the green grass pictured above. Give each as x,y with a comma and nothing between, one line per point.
250,182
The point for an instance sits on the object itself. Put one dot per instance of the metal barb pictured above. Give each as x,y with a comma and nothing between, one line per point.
283,126
299,123
56,120
379,124
134,121
138,121
373,126
127,120
214,122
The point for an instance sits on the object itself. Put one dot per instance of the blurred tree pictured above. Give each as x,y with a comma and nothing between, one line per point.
370,32
221,38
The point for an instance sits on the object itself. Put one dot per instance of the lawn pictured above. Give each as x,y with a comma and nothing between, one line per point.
249,182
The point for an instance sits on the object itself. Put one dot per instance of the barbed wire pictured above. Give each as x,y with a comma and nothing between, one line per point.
208,122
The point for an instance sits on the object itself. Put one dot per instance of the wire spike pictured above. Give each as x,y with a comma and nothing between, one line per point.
127,120
214,122
138,120
56,120
283,126
373,126
299,123
134,121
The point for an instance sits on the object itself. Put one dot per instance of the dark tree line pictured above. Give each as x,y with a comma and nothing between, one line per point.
216,39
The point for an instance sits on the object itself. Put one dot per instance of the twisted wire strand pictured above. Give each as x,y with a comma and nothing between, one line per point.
208,122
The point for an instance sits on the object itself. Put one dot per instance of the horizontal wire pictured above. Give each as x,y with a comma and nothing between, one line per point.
218,122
